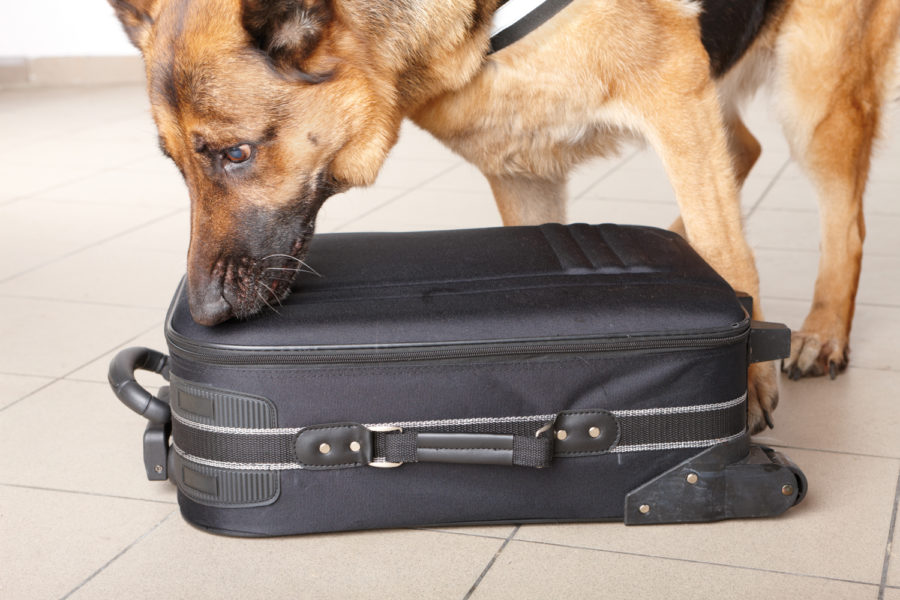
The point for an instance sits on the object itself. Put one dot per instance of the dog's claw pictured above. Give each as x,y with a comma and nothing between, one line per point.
832,369
768,417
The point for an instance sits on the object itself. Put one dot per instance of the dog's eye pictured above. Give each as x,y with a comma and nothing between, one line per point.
240,153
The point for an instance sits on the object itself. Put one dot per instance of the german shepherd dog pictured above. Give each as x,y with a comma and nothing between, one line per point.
270,107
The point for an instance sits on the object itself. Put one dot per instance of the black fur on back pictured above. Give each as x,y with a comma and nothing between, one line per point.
728,27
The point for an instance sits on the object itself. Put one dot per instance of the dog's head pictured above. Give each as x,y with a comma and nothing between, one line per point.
267,108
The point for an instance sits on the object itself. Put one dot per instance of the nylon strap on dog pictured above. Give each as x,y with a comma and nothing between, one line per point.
517,18
529,441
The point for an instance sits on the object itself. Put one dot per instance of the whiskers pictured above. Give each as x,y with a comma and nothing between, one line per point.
302,267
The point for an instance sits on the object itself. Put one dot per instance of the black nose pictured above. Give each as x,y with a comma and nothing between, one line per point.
208,307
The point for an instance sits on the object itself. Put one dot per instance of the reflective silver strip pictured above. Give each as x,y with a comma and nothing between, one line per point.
235,430
463,422
673,445
218,464
677,410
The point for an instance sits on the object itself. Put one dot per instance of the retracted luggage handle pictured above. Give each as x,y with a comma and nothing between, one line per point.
767,341
155,410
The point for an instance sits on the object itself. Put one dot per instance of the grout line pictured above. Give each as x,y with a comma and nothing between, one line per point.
809,300
93,245
491,562
71,301
816,251
119,555
402,194
890,542
766,191
78,368
826,451
83,493
699,562
621,163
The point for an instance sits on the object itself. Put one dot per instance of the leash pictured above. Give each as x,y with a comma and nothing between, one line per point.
517,18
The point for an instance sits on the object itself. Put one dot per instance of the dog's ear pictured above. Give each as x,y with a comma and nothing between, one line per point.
286,30
135,17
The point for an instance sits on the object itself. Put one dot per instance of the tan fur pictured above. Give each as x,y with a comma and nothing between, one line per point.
599,73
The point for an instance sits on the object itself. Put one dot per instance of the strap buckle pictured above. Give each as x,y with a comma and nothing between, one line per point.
381,463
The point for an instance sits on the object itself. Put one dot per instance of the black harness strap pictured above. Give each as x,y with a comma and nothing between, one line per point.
515,19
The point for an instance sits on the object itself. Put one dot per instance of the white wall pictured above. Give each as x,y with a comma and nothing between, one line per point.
42,28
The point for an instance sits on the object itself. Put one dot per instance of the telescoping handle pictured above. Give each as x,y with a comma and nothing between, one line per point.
154,409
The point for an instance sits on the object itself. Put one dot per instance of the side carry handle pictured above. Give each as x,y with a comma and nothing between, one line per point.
130,392
154,409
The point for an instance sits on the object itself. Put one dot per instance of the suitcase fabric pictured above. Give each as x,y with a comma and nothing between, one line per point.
523,374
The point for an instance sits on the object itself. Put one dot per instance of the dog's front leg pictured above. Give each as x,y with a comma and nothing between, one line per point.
529,200
686,127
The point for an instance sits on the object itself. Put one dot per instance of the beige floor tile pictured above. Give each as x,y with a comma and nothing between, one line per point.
412,172
416,143
98,370
893,573
799,230
24,181
350,206
493,531
390,564
124,188
464,177
77,436
857,412
633,183
591,174
51,338
50,542
891,594
848,508
432,210
791,274
33,232
14,387
526,570
74,152
116,273
794,191
873,339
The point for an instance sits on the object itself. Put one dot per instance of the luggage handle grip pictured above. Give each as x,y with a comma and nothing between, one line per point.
130,392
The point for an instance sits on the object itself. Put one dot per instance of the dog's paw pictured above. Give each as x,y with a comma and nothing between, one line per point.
813,354
762,395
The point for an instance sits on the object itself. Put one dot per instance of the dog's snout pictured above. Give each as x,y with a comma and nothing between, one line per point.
208,305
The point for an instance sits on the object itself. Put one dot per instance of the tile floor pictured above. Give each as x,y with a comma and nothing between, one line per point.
93,233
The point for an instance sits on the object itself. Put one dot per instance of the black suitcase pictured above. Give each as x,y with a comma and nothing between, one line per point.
524,374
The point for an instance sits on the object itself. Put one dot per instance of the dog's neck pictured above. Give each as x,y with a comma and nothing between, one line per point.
430,46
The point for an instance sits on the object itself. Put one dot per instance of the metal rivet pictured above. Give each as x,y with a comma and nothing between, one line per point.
787,490
692,478
561,434
354,446
324,448
158,468
645,508
594,432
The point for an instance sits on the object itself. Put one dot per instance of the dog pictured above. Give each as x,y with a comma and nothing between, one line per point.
270,107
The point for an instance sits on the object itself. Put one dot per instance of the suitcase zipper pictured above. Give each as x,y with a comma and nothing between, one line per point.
182,347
